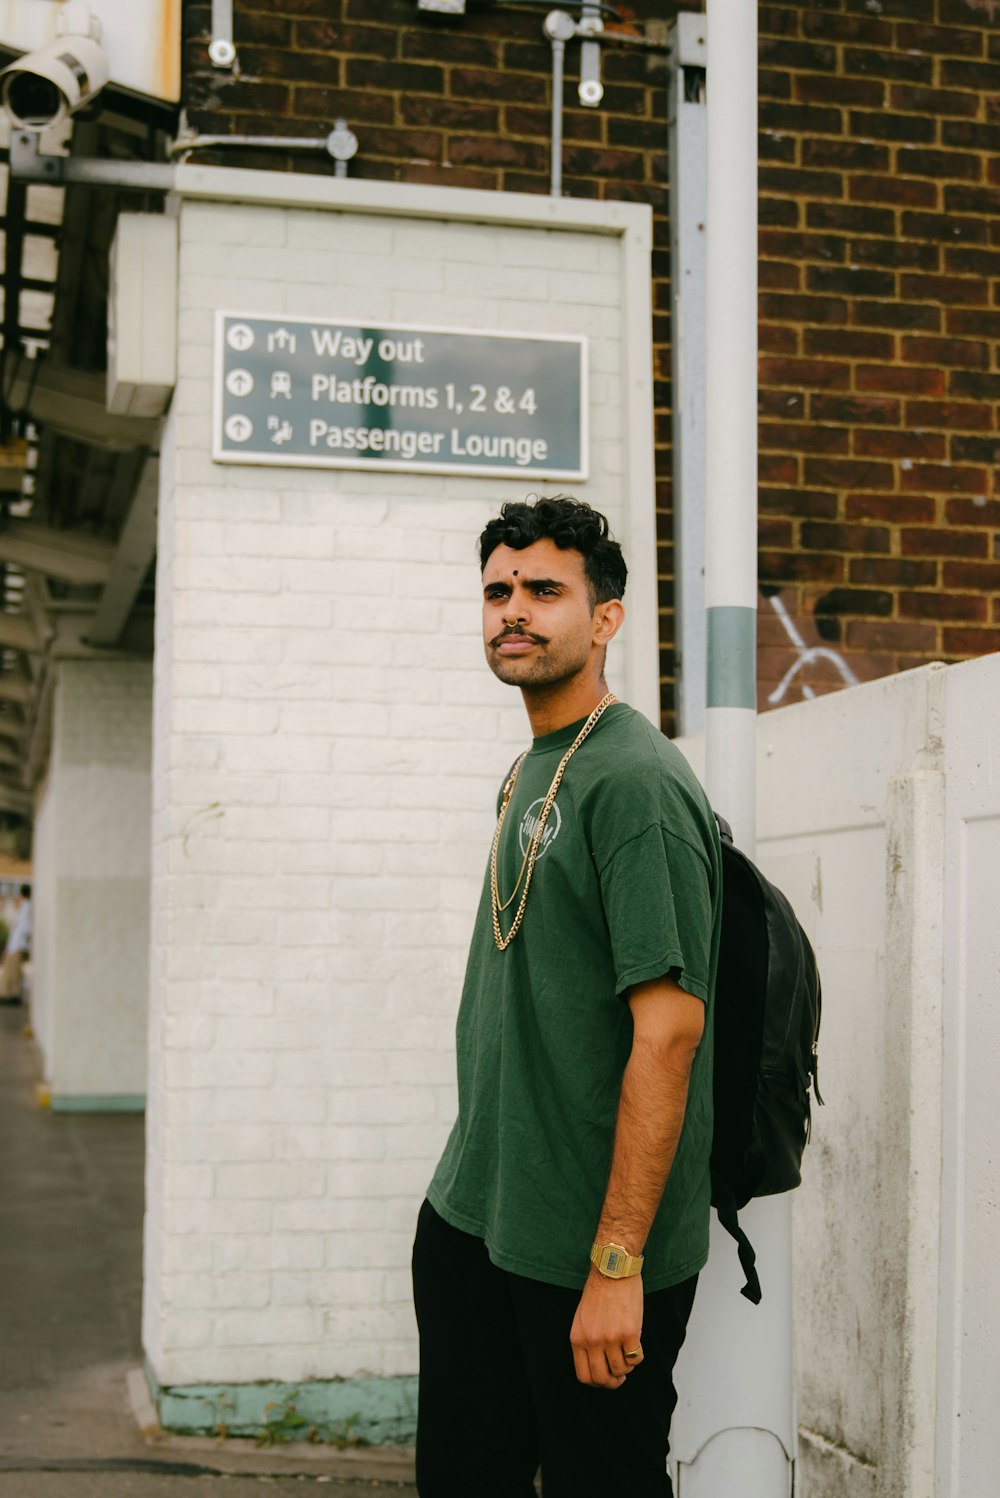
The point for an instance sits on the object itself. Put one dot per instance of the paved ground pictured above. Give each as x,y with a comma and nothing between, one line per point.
76,1484
70,1288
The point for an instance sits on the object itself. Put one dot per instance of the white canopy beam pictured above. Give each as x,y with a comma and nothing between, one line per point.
68,556
15,689
136,549
71,402
18,633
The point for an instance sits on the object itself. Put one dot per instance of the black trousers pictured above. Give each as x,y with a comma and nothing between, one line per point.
499,1396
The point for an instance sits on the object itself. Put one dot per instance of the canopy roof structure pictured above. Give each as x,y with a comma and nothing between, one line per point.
77,484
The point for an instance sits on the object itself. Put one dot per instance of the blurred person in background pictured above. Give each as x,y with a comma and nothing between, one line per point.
17,950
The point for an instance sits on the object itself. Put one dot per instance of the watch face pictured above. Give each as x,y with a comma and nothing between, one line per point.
616,1261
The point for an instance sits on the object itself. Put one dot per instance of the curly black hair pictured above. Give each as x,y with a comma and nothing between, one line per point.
574,526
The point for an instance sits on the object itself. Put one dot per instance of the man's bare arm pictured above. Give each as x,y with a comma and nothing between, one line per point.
668,1025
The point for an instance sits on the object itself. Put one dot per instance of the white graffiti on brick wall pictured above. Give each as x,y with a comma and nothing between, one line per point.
806,655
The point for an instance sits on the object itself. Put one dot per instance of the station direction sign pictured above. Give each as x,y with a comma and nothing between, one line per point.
326,394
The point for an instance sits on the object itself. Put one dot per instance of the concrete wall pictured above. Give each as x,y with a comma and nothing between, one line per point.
328,744
969,1313
878,814
44,920
91,958
850,799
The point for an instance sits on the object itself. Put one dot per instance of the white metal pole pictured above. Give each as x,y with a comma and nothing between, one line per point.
688,216
734,1431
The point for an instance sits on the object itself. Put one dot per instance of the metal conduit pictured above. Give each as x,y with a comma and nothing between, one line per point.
341,144
559,28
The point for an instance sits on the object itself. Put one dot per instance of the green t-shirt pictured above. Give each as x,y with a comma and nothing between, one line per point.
627,887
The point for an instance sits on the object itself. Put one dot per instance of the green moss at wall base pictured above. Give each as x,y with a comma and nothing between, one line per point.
372,1411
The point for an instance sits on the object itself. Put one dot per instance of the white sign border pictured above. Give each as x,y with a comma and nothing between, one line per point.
223,455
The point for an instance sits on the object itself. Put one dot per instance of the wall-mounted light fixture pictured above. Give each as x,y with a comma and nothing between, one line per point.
222,49
590,26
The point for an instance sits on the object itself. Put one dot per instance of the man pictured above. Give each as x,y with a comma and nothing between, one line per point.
16,951
557,1253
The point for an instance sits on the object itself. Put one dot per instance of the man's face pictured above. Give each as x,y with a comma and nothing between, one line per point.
538,625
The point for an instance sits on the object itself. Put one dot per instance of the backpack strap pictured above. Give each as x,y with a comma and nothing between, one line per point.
725,831
723,1199
724,1203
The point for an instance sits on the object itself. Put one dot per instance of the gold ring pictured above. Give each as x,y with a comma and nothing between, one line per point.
636,1354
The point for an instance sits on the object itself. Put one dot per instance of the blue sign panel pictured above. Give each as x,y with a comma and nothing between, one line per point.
324,394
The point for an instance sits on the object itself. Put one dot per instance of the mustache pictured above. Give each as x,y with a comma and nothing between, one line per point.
512,632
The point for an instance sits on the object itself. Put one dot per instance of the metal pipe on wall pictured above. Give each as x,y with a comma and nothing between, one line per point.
735,1423
559,28
558,66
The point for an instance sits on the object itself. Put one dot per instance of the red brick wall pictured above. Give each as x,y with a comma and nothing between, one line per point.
880,269
880,334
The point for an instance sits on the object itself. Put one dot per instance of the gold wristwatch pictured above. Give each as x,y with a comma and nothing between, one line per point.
614,1261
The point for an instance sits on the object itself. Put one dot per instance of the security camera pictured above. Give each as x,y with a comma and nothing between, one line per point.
42,89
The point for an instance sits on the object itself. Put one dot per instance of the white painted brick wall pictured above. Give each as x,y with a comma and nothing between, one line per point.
92,871
327,748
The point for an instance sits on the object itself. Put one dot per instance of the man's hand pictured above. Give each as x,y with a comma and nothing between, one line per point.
667,1025
607,1324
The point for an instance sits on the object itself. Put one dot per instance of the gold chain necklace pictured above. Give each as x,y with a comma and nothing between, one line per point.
531,856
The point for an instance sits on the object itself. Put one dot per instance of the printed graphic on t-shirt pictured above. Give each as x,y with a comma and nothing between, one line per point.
529,822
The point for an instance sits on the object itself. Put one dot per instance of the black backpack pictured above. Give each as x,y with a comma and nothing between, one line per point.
767,1013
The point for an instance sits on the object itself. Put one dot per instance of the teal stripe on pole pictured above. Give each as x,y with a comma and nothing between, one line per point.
732,656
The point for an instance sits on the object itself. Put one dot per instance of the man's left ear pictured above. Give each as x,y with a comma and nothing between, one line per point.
608,620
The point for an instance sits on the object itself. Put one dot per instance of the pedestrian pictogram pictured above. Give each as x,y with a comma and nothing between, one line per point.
282,339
